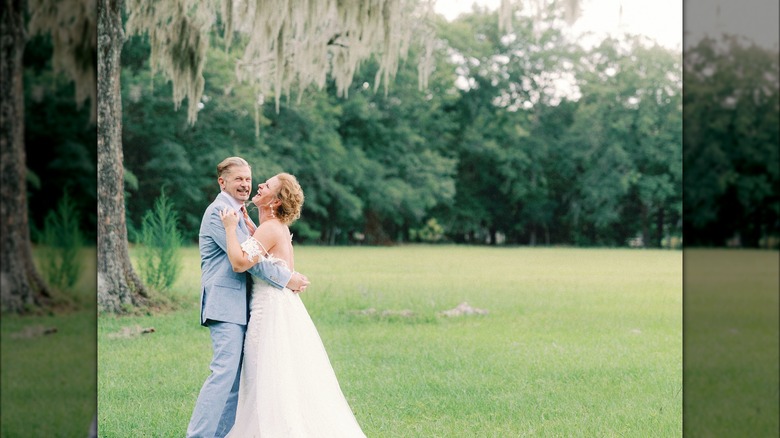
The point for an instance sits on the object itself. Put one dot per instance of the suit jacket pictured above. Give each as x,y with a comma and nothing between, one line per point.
224,293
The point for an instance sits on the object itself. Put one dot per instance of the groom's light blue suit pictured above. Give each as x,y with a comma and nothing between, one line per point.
224,310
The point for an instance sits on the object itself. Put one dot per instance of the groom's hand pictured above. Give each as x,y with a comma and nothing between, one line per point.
298,282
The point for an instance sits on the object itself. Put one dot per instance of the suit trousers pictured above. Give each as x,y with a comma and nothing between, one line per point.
215,410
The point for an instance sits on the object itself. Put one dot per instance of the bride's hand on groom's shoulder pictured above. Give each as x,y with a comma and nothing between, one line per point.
229,218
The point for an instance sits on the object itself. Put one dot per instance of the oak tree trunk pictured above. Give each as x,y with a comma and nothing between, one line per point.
119,287
21,286
659,228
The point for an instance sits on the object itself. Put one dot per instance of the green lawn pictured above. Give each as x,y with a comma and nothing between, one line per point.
732,380
49,381
577,342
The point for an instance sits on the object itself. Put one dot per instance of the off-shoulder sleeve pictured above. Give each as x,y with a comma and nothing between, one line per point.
269,268
253,248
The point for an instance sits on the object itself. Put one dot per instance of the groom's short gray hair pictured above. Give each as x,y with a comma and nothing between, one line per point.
229,162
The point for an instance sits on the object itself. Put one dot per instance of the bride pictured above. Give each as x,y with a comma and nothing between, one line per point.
287,385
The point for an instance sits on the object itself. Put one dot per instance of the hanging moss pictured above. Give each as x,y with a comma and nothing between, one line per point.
292,44
72,25
178,35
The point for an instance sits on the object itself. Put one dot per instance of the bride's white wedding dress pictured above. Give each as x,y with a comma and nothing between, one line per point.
287,387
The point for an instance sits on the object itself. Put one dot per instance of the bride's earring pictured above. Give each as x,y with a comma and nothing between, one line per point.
272,210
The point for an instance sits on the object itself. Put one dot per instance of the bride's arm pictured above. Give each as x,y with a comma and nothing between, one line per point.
274,273
238,258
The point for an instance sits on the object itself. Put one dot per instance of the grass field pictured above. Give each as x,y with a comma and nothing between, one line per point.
49,381
732,343
577,342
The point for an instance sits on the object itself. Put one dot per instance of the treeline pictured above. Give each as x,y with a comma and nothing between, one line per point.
497,148
732,144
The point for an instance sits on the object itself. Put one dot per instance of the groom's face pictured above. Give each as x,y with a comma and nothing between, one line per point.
237,182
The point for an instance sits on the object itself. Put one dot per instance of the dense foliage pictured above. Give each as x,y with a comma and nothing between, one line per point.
732,143
523,140
59,142
503,158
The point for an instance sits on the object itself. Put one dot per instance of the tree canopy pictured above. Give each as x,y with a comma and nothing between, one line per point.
497,148
732,161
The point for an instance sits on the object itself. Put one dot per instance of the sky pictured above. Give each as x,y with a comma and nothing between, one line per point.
755,19
662,20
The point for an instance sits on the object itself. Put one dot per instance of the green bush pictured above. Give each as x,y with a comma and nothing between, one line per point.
62,242
160,239
431,232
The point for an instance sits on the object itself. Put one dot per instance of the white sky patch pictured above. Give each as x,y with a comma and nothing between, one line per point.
660,20
754,19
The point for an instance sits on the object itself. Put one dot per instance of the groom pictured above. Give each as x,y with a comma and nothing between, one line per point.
224,303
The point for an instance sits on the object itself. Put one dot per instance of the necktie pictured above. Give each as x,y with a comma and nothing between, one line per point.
249,224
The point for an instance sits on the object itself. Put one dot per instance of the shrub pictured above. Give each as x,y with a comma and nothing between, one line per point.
431,232
160,239
62,241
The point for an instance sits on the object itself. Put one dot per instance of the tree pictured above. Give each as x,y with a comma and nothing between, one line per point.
22,285
294,45
507,80
625,141
290,46
60,140
731,154
118,284
399,146
71,26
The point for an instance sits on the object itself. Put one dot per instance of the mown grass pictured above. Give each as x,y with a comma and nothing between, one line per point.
49,381
577,342
732,348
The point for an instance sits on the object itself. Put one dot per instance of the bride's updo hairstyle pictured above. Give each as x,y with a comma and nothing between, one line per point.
291,195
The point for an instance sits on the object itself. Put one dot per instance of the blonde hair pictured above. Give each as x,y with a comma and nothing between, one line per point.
229,163
291,195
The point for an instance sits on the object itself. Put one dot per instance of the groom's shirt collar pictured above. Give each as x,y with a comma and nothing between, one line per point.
233,201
